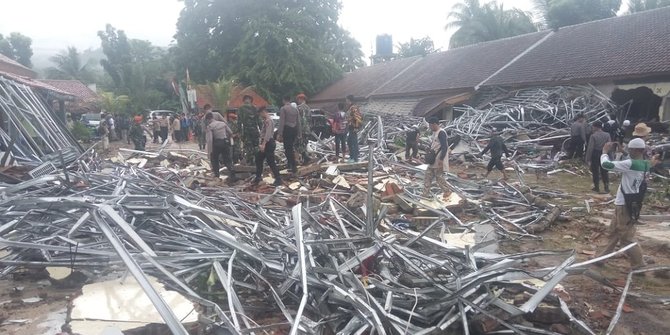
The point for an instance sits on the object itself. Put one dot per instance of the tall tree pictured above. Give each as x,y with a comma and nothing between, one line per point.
69,65
476,22
416,47
635,6
17,47
561,13
118,62
279,47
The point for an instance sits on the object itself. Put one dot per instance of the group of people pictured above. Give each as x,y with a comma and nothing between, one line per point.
251,132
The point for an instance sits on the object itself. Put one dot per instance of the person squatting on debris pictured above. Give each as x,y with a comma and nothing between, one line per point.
218,136
497,147
136,133
289,127
577,137
305,131
628,199
593,152
354,122
412,143
437,159
249,122
266,148
339,129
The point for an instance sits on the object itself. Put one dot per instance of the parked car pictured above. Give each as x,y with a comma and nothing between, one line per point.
159,114
91,120
320,124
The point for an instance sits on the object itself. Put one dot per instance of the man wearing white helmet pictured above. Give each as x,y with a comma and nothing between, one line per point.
629,197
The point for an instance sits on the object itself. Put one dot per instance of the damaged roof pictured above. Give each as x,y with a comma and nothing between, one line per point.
11,66
629,46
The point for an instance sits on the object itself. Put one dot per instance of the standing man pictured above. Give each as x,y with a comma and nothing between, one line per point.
628,199
237,143
199,131
176,129
164,124
339,128
289,127
136,133
103,130
305,131
354,121
124,126
185,127
266,149
112,127
497,147
412,143
249,121
156,128
439,147
218,136
593,152
578,137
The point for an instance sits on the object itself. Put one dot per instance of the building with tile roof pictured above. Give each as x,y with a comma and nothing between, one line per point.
620,54
8,65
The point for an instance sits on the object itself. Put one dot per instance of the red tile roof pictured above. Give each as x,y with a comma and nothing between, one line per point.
9,65
629,46
35,84
74,87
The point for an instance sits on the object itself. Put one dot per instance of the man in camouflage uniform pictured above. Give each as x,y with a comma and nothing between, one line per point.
234,125
305,132
248,122
136,133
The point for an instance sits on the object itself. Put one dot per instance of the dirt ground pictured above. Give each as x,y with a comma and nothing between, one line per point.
585,232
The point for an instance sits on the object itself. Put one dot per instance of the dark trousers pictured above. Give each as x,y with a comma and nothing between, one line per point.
184,133
597,171
289,136
221,148
164,134
495,161
156,135
267,155
353,145
413,147
340,144
576,147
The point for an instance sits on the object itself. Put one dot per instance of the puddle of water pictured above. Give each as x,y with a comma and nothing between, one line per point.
124,305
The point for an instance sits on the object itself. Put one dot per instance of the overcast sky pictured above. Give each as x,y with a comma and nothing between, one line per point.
54,25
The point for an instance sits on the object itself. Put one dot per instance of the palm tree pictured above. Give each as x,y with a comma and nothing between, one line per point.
69,66
635,6
476,22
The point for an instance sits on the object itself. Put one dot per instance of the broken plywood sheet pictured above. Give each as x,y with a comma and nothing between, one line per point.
460,240
123,304
453,200
342,182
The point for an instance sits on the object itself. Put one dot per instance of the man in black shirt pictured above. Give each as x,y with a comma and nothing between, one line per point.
497,147
412,143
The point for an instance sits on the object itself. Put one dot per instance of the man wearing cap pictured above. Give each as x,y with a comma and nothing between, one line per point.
305,131
249,121
136,133
633,172
577,137
593,152
641,131
439,146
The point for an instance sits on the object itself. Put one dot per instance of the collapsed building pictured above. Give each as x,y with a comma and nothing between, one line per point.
624,57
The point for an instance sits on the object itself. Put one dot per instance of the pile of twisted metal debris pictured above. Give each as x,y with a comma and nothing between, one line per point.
347,249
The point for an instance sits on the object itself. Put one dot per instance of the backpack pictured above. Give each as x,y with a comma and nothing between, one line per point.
634,200
339,125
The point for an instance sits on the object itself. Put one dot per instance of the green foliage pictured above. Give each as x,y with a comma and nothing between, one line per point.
561,13
281,47
221,92
69,66
17,47
635,6
480,22
111,103
139,70
416,47
80,132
